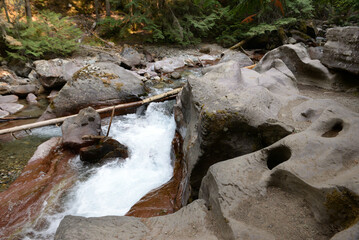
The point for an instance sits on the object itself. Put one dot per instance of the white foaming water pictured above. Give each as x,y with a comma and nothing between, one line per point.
114,188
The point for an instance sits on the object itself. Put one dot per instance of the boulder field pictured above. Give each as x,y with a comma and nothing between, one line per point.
268,155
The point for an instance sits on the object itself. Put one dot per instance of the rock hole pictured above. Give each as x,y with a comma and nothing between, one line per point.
277,156
91,119
334,131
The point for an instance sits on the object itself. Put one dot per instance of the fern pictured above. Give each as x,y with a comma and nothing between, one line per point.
48,37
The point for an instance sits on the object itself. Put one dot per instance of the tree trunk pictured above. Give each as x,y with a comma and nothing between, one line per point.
108,8
159,97
28,11
97,10
6,12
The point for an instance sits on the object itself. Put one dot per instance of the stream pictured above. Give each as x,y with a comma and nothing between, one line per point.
111,189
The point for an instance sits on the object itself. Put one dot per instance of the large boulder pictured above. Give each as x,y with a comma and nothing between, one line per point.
56,72
306,70
100,84
87,122
342,49
295,188
231,111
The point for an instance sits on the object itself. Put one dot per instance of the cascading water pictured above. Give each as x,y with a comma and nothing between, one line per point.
114,187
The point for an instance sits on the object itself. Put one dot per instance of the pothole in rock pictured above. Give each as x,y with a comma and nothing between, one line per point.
284,215
334,130
277,156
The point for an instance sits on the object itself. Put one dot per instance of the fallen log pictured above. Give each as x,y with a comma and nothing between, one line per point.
102,110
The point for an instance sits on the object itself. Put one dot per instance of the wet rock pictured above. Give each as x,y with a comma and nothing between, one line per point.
175,75
168,198
99,84
314,166
132,57
56,72
23,90
87,122
12,108
9,99
46,176
31,98
297,59
108,148
240,57
3,113
342,49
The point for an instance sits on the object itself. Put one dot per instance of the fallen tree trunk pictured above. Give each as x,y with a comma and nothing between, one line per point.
102,110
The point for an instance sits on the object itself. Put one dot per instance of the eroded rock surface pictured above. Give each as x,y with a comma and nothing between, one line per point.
316,166
231,111
306,70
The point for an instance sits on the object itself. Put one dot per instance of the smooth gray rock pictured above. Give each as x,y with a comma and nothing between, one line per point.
102,83
297,59
168,65
9,99
87,122
12,108
56,72
317,166
31,98
23,90
4,113
342,49
192,222
240,57
132,57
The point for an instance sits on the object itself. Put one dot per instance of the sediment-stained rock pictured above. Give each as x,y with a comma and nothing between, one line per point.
45,177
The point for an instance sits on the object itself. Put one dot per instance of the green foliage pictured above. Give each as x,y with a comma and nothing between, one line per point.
48,37
182,21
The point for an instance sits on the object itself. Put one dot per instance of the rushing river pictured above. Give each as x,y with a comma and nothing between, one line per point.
113,188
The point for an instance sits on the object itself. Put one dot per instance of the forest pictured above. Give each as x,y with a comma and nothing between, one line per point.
34,29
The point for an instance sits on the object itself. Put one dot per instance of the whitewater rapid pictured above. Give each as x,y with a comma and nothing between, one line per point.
115,187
